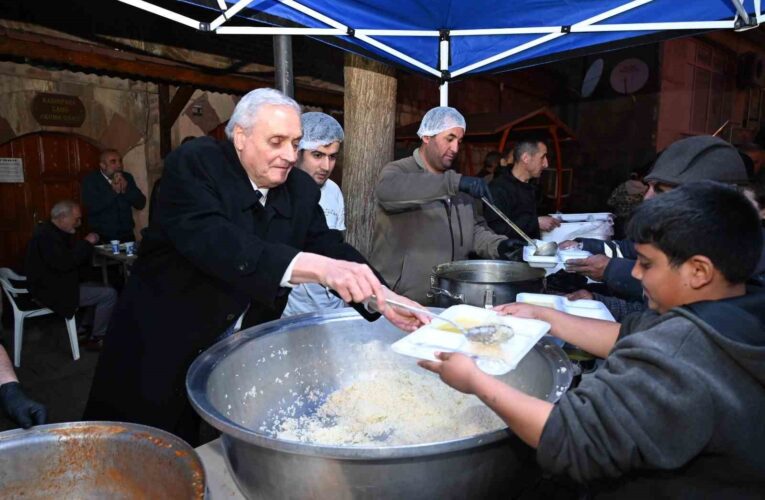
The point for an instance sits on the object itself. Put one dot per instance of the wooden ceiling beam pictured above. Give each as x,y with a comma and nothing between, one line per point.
97,59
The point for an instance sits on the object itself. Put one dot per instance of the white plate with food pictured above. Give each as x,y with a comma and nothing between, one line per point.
493,358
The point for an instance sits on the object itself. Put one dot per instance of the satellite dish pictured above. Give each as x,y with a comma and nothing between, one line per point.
592,77
629,76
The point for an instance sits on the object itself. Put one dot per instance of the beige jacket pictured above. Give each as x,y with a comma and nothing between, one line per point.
422,221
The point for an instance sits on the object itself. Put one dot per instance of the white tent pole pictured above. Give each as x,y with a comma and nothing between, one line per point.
552,36
167,14
222,4
699,25
507,53
371,41
373,32
228,14
443,46
253,30
737,4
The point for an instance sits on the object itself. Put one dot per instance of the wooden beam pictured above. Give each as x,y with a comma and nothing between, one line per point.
87,57
169,111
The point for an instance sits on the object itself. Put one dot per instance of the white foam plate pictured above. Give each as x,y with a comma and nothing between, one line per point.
548,262
537,261
584,308
583,217
494,360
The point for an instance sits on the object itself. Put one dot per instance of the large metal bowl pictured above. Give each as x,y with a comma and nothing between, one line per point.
225,384
97,460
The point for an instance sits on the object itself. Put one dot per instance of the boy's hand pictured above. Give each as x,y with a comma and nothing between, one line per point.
456,370
522,310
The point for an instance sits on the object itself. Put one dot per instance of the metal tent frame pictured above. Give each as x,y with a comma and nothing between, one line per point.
741,21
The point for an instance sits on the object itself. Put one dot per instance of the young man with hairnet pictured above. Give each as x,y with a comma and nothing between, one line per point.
425,213
317,156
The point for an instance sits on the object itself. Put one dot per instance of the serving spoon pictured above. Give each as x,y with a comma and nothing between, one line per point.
547,249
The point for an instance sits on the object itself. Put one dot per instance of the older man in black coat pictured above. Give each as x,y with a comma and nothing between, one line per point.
237,227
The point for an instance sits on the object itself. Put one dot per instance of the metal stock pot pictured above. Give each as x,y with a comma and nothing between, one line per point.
482,283
241,382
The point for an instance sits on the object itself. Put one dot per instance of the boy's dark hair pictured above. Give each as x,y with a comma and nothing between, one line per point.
702,218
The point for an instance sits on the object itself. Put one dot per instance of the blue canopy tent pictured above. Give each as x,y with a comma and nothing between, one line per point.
449,39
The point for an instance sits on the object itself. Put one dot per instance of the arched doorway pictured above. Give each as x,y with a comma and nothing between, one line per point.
54,165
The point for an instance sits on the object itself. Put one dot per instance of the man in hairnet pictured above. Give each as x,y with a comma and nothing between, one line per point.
317,155
425,213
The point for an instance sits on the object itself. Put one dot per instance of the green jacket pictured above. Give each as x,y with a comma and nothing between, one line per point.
422,220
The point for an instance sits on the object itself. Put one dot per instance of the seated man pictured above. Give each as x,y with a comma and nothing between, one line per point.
53,262
13,401
317,154
675,411
516,197
109,196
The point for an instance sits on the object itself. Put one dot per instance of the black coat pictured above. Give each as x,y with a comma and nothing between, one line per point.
517,200
52,266
213,251
111,214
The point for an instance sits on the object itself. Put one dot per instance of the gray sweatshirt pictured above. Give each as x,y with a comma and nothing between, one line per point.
676,410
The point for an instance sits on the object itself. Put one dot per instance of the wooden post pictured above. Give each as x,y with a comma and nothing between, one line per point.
370,120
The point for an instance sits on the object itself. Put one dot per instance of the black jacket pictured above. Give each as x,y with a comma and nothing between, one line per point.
517,200
111,214
213,251
53,262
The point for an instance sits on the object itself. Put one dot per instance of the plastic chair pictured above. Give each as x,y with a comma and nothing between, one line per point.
24,307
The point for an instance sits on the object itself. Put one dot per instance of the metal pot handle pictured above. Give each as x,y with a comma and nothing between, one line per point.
488,298
435,291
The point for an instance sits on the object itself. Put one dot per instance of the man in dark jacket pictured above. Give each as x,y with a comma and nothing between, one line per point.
675,411
109,196
516,197
692,159
236,228
53,261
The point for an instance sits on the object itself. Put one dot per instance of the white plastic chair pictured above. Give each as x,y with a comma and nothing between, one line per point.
20,313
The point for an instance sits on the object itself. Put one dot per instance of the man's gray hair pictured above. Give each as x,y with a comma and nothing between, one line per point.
62,208
248,107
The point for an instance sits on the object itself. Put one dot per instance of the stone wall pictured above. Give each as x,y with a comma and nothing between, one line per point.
119,113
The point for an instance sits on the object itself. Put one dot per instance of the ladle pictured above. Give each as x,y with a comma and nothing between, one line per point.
485,334
547,249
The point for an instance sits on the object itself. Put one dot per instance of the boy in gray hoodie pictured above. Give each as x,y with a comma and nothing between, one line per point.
675,411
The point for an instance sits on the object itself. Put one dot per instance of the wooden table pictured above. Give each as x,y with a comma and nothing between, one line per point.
103,257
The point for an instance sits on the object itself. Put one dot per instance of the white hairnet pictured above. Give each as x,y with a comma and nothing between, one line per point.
319,129
439,119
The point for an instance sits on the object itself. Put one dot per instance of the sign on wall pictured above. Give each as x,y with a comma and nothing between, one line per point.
11,170
58,110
